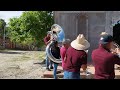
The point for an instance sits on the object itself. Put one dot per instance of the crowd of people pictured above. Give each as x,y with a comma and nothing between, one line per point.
74,56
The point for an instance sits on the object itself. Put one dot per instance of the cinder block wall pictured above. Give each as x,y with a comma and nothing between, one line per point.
90,23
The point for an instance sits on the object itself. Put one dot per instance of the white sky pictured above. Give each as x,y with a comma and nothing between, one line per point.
9,14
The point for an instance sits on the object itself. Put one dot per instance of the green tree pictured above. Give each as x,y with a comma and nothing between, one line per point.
2,26
30,27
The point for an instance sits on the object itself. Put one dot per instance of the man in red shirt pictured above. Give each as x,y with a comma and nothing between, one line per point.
63,50
104,60
47,40
76,57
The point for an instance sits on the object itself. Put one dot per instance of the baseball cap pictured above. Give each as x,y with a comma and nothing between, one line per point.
104,39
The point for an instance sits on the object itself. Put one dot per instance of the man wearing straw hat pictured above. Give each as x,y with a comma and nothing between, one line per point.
103,59
76,57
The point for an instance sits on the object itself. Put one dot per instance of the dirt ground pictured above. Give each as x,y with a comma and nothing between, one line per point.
16,64
21,64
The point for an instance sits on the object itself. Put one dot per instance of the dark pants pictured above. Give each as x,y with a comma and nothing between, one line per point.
48,62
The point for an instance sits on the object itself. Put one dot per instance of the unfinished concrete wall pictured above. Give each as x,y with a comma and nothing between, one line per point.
90,23
68,23
96,25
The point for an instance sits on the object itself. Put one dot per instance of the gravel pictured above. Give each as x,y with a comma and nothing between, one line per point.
20,65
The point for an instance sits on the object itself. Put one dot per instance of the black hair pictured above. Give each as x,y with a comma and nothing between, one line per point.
54,32
55,43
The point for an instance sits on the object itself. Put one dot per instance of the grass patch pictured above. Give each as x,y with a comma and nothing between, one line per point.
39,55
24,56
5,50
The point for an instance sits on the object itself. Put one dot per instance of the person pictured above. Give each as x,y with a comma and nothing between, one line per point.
47,40
76,57
63,49
103,59
54,36
55,50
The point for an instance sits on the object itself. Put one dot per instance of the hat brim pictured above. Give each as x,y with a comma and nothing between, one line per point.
77,46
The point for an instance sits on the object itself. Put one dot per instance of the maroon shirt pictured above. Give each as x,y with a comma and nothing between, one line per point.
104,62
74,59
46,39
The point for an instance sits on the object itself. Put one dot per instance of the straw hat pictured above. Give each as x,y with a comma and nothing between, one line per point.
80,43
103,33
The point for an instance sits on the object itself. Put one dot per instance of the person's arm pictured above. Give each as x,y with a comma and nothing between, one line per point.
84,62
59,52
46,41
62,53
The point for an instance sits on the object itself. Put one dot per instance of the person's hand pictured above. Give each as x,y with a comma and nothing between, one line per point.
51,39
117,50
114,53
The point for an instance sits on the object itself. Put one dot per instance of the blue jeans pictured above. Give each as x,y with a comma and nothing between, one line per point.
55,70
48,62
71,75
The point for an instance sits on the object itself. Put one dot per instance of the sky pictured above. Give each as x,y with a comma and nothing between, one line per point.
9,14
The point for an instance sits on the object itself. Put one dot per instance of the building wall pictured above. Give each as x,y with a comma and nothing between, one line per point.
91,24
67,22
96,25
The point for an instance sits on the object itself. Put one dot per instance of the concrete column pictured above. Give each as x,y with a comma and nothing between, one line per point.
108,26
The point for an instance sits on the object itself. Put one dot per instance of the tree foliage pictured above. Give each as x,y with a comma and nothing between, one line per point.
30,27
2,25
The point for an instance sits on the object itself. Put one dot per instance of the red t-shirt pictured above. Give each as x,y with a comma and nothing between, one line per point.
74,59
104,62
63,53
46,39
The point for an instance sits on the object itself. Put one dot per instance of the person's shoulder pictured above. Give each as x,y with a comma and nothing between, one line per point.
70,47
82,52
95,51
62,48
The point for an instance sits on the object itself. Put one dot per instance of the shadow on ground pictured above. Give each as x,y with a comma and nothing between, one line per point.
41,62
9,52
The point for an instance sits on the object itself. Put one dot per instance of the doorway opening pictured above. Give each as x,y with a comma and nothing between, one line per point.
82,25
116,33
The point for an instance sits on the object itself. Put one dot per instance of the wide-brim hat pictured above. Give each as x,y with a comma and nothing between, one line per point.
80,43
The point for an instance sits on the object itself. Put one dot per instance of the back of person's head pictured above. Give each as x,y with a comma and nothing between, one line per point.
105,38
55,43
66,41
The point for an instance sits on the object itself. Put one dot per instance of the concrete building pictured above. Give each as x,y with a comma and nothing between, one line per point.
89,23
